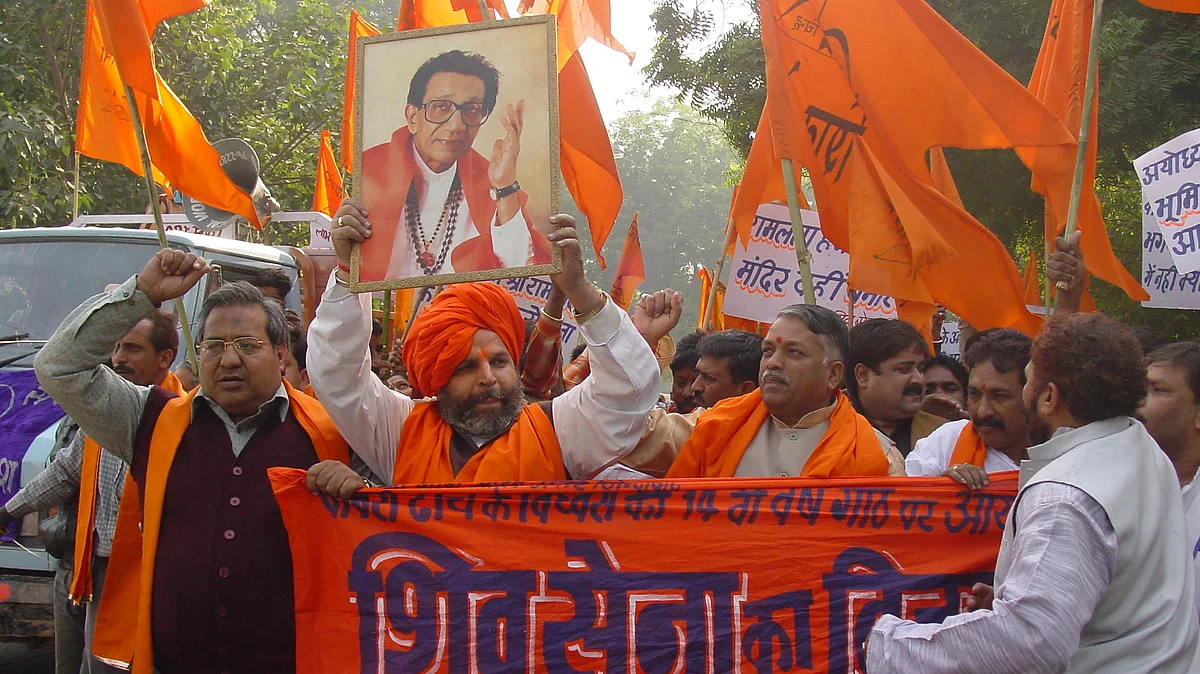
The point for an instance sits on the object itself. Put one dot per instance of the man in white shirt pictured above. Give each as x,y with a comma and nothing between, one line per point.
439,206
1092,575
463,348
994,438
1171,412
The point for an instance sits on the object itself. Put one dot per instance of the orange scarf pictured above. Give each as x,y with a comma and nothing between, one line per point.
527,451
969,448
123,628
717,445
85,526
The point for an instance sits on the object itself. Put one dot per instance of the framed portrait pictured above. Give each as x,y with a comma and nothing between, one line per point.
456,154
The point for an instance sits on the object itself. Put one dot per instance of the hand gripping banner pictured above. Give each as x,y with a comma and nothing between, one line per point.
695,576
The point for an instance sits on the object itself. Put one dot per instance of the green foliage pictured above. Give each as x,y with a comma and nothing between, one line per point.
1150,91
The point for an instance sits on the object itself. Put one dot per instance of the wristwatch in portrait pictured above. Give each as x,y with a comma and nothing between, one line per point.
498,194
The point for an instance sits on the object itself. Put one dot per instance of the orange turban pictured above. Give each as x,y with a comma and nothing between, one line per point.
441,335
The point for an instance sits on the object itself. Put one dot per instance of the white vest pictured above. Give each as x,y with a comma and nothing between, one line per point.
1146,620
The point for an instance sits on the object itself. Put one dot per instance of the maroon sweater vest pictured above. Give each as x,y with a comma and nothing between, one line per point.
223,598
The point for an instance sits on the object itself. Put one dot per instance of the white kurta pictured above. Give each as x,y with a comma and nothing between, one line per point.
931,455
1191,514
511,240
597,422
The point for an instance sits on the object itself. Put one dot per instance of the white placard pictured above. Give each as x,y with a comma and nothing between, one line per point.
1170,176
320,233
764,276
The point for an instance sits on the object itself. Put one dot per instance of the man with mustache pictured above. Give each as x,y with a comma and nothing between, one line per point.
84,470
727,367
1094,574
440,207
200,579
463,348
684,373
1171,413
885,382
994,439
798,422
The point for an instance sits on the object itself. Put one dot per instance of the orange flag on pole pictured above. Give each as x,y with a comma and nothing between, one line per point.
899,81
586,158
359,27
762,179
416,14
1057,81
327,193
177,145
103,128
577,21
631,270
1185,6
1033,285
719,320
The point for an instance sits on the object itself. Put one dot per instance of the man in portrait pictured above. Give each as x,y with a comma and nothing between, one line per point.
440,206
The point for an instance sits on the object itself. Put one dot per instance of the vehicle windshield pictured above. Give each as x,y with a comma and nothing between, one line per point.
42,281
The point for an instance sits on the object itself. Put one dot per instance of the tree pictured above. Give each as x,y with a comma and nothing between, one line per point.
1150,88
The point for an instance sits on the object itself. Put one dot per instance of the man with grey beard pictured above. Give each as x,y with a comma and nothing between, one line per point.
464,348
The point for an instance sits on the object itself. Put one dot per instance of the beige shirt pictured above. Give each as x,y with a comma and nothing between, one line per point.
779,450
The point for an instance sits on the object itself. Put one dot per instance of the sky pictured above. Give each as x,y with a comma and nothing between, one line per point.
620,87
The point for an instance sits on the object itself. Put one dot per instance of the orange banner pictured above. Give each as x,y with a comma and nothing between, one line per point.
765,575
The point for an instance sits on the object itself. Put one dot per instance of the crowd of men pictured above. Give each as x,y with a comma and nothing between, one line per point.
180,536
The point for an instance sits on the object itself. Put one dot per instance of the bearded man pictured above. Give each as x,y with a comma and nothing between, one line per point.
464,348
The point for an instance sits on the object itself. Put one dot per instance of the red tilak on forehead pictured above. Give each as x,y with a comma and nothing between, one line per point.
484,353
779,340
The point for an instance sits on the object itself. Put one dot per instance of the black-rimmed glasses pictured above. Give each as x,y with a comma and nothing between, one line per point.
439,112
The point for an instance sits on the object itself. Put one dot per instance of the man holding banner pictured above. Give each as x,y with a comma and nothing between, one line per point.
995,437
1094,573
798,423
463,348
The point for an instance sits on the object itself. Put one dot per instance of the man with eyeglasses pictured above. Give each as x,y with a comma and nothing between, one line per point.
200,577
438,205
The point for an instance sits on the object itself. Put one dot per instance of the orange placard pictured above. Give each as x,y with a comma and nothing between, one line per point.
750,575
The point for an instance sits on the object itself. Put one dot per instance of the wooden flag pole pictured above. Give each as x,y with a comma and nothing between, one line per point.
180,310
802,256
707,318
75,195
387,319
1085,128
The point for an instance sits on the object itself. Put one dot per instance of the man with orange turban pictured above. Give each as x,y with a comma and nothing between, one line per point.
463,349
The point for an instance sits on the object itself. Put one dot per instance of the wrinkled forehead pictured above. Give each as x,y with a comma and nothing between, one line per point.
237,321
457,87
487,344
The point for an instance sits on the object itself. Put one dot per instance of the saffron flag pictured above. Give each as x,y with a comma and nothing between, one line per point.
103,126
1186,6
719,319
899,81
686,575
577,21
327,193
631,270
176,143
762,179
416,14
1033,285
1058,78
359,27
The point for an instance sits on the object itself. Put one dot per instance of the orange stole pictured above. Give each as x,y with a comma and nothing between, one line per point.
969,448
528,451
123,628
722,435
85,525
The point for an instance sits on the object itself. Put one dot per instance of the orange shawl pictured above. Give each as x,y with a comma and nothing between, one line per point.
528,451
123,628
85,526
849,448
969,448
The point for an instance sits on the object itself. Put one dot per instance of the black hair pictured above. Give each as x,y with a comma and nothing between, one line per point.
298,343
878,340
741,350
1006,349
273,277
687,351
956,368
163,332
1185,355
243,294
463,63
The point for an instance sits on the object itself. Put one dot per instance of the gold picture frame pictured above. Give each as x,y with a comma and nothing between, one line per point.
528,34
